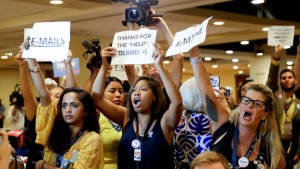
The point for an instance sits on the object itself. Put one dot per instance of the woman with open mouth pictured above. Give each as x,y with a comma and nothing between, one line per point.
251,139
148,127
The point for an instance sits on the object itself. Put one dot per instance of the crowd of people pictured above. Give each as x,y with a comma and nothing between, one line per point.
160,122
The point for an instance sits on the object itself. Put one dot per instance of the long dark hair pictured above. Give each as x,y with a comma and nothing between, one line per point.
110,79
60,137
158,106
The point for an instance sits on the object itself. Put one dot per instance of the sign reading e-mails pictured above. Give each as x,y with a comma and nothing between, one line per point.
49,41
188,38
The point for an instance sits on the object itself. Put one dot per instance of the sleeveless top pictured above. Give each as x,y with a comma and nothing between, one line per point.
192,137
111,134
156,153
221,143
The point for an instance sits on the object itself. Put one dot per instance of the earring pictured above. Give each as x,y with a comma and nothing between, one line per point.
263,128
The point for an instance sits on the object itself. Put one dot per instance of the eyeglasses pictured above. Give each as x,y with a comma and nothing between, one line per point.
256,103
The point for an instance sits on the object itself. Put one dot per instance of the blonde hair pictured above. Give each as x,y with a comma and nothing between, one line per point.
209,157
271,138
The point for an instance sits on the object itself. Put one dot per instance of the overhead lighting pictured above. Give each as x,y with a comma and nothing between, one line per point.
256,2
249,65
289,63
4,57
235,67
214,66
235,60
56,2
207,58
244,42
229,51
9,54
183,69
286,47
166,62
259,52
241,72
218,23
290,67
266,29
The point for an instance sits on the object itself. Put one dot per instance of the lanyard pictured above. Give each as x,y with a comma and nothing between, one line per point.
59,157
287,105
235,142
145,134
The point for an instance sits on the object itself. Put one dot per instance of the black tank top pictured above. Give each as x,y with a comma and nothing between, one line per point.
156,151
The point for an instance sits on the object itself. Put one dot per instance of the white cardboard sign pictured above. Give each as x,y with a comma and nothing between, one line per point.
134,47
188,38
49,41
283,35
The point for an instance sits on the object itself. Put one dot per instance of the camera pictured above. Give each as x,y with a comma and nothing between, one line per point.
16,97
92,46
139,12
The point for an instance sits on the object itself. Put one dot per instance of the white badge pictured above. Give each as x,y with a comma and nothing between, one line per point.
135,143
243,162
137,154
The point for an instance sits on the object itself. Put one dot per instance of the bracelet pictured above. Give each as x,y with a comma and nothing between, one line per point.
43,164
195,60
277,59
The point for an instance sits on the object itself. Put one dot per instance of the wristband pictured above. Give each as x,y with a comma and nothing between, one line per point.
195,60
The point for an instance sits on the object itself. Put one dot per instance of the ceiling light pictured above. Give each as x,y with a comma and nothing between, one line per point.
244,42
207,58
249,65
56,2
229,51
265,29
9,54
290,67
259,52
286,47
218,23
241,72
256,2
4,57
214,66
166,62
235,60
289,63
183,69
235,67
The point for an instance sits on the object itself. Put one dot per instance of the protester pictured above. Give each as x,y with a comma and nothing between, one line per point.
5,150
210,160
251,140
147,131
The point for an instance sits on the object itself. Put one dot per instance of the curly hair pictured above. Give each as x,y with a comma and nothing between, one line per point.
158,106
60,137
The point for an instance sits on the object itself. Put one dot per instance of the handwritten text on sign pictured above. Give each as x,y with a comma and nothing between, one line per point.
188,38
134,47
283,35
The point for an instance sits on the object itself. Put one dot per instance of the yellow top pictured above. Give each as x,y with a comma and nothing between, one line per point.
89,147
45,117
111,139
90,153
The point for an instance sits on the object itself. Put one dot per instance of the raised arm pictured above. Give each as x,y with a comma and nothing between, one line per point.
30,103
38,80
177,59
70,77
172,116
215,110
117,114
272,81
297,68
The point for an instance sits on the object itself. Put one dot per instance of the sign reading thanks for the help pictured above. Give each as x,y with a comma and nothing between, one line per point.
49,41
188,38
119,71
283,35
134,47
